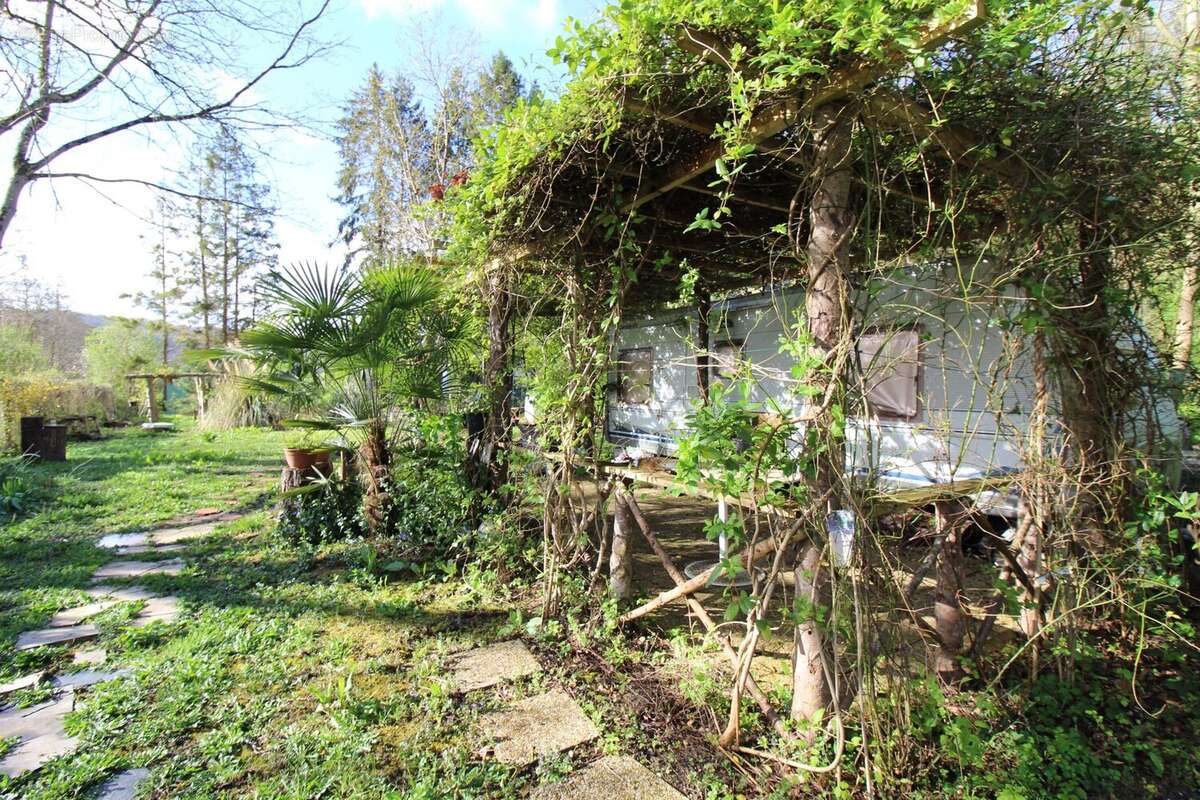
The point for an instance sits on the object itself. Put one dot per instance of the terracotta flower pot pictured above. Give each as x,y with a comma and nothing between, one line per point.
305,458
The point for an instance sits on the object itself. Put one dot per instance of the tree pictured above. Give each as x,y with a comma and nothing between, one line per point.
369,341
20,352
114,350
149,64
396,154
385,169
230,234
166,276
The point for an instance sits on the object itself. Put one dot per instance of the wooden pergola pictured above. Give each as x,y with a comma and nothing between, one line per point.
801,176
152,404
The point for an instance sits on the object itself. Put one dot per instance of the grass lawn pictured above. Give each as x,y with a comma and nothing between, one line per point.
293,673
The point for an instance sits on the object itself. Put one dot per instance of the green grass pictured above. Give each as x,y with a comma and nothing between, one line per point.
292,674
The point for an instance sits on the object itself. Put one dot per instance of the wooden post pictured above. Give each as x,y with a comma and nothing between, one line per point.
201,408
491,458
703,359
151,405
831,223
951,624
810,689
620,559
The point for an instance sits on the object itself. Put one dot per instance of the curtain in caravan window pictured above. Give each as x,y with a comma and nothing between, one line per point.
891,370
635,375
726,357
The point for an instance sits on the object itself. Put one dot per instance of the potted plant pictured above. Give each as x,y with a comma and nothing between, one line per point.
302,455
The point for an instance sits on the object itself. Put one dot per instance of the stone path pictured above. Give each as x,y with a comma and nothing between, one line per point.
487,666
537,726
39,729
532,728
609,778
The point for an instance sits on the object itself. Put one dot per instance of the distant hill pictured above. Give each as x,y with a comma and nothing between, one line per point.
62,332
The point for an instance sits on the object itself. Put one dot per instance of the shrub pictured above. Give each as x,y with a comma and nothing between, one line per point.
326,512
49,395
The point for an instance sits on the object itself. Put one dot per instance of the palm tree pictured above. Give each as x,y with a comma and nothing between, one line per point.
356,348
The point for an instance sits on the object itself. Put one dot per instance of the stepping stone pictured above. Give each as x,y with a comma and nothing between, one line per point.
149,548
75,633
74,616
169,536
123,594
21,683
40,729
119,540
136,569
158,609
86,678
610,778
123,786
537,726
33,753
486,666
90,658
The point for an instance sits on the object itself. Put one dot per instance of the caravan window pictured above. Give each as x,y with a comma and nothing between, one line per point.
891,368
725,359
635,374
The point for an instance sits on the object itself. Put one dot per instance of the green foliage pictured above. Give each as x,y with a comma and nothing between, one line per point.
432,507
20,352
327,512
118,348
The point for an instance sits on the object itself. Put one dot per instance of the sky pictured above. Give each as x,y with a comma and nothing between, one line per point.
95,242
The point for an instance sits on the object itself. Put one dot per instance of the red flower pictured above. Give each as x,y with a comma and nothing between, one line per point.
437,191
460,178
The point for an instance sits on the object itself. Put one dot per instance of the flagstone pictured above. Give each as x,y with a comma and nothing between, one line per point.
118,540
87,677
42,719
32,679
137,569
123,786
536,727
33,753
609,778
487,666
167,536
124,594
75,633
158,609
74,616
90,657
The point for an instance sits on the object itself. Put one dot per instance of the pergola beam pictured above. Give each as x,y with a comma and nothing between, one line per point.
777,118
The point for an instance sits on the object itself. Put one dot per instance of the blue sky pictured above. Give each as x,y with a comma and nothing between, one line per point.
95,244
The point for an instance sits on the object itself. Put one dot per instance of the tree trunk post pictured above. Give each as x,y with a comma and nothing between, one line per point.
620,559
810,689
950,519
831,223
703,358
491,458
151,403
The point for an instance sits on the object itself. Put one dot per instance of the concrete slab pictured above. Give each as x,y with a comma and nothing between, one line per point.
537,726
74,616
33,753
482,667
150,548
186,533
32,679
87,677
90,657
158,609
124,594
116,540
75,633
609,778
123,786
136,569
40,720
